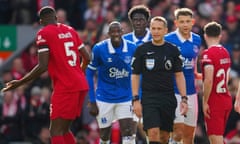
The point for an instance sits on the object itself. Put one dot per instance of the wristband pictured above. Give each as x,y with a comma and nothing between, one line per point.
135,98
184,99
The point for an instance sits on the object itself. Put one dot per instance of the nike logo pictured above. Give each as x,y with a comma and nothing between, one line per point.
149,53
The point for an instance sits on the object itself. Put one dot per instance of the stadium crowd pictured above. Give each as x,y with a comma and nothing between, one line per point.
24,112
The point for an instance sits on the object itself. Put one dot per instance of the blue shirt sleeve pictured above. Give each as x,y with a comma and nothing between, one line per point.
90,73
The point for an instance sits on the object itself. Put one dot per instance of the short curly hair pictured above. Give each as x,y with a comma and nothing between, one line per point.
139,9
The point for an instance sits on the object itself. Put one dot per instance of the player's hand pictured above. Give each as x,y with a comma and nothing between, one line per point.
93,109
237,105
183,108
137,108
11,85
84,67
206,110
198,76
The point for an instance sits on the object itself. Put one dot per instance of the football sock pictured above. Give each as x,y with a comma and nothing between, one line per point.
57,140
128,140
69,138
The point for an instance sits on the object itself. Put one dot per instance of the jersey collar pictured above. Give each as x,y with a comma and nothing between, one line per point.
111,49
145,38
182,39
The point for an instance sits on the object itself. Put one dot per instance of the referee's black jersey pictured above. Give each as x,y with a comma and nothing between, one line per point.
157,64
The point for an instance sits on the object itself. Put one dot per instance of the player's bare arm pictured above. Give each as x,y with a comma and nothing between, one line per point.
237,100
34,73
197,75
86,58
181,84
137,107
207,88
93,108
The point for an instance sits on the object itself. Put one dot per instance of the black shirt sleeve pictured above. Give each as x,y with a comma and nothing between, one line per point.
178,60
137,61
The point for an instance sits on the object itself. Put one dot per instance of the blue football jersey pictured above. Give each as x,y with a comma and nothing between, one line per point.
113,67
138,40
189,49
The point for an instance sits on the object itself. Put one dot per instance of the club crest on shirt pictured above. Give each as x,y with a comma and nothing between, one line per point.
40,39
195,48
150,63
205,56
127,59
168,65
109,60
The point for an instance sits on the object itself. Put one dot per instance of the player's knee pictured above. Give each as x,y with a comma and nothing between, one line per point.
104,137
188,136
153,134
164,137
105,134
127,131
177,136
134,127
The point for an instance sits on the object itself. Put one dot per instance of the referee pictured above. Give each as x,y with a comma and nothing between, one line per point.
158,61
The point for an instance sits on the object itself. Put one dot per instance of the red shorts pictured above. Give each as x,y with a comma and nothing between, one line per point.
217,122
67,105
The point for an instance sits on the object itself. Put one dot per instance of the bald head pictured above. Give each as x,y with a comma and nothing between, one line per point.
47,10
115,32
47,15
114,24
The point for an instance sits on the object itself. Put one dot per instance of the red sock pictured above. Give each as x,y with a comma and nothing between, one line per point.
69,138
57,140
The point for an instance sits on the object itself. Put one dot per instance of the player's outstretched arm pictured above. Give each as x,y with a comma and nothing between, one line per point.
181,85
237,100
197,75
93,108
207,88
137,107
34,73
86,58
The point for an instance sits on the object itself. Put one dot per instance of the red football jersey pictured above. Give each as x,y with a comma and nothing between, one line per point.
63,44
219,58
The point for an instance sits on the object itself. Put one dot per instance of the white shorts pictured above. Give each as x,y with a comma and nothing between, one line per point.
108,112
192,114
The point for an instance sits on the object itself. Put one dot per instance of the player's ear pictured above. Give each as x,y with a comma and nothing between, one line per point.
193,21
109,33
40,21
175,23
205,36
166,30
220,36
122,30
56,18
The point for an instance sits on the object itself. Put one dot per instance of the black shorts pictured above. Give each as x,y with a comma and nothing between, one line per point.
161,114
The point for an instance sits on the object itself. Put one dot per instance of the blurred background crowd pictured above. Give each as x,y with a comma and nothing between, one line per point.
24,112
